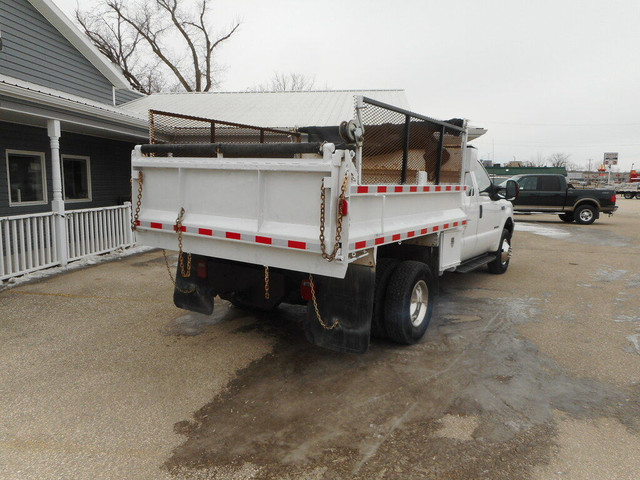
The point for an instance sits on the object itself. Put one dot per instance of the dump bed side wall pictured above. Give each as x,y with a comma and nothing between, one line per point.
262,211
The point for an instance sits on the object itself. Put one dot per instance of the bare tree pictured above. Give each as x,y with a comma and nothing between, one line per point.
559,160
285,82
160,30
538,161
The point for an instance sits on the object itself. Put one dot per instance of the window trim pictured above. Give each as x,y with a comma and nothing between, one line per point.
87,159
43,163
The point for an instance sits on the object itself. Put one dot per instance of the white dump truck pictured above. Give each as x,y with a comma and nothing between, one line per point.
356,221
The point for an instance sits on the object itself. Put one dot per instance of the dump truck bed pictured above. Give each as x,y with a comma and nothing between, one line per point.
267,211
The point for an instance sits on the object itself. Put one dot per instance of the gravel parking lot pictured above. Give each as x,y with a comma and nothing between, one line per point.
534,374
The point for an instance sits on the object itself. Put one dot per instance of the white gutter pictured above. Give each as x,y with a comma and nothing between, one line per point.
72,104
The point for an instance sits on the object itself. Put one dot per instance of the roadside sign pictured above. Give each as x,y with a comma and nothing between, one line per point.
611,158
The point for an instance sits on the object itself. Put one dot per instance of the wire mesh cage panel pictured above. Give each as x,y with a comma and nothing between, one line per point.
173,128
398,145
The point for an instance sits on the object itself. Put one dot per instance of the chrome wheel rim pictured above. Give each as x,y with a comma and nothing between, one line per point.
586,215
419,303
505,254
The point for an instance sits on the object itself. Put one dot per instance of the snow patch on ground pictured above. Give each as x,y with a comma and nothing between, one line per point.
608,274
75,265
543,230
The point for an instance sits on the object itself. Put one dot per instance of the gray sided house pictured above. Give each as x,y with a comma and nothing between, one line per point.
65,143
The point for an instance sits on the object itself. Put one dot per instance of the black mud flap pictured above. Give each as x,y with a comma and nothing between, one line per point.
348,301
192,293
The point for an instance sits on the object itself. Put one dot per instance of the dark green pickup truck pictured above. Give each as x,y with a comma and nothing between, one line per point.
551,194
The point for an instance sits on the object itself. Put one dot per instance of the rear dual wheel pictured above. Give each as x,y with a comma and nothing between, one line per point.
408,302
384,269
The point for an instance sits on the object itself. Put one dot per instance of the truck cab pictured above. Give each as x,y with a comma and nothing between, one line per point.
488,216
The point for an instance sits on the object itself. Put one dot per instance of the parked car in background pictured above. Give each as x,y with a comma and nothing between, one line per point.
629,190
551,194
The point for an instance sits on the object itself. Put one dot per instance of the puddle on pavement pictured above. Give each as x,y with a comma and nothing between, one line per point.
194,323
305,412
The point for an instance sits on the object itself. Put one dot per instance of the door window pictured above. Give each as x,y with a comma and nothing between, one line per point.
528,183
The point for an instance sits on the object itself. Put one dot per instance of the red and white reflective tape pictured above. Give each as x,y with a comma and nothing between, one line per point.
238,236
397,237
375,189
297,244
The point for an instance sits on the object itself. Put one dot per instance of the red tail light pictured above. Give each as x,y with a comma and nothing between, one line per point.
613,199
201,269
305,290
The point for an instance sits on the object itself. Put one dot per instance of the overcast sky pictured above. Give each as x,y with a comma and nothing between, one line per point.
543,77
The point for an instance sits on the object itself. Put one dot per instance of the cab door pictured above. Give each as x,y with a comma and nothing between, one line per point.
490,213
471,208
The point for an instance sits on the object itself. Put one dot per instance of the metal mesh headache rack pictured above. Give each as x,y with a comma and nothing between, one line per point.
399,147
178,129
399,144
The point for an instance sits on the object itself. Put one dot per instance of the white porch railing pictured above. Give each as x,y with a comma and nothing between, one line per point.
28,242
93,231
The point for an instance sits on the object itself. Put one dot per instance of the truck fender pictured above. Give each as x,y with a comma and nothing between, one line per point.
588,201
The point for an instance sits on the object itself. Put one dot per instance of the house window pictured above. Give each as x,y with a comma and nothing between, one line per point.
76,178
27,178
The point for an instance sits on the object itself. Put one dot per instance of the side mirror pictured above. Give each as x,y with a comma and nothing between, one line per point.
509,192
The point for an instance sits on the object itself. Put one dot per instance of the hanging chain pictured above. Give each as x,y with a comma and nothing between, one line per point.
330,257
136,215
185,273
166,262
315,307
266,283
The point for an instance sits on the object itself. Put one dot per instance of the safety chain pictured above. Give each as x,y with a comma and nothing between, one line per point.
315,306
166,262
330,257
185,273
136,215
266,283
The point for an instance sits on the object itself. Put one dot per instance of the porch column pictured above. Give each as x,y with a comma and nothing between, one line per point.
57,204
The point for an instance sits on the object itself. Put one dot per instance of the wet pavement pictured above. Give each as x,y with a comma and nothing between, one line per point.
534,374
